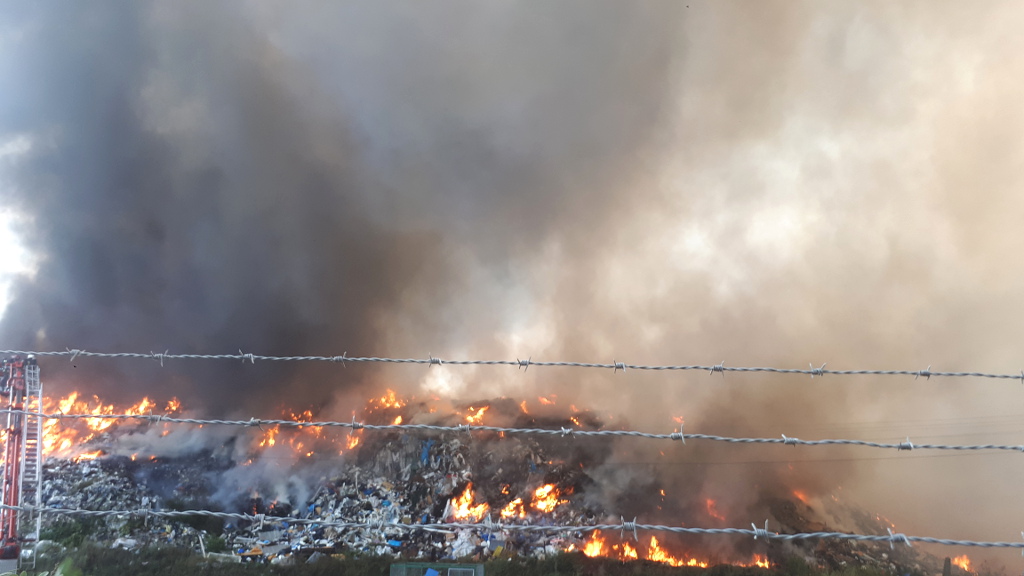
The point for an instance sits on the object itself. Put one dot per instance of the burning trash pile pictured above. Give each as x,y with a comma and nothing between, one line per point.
303,480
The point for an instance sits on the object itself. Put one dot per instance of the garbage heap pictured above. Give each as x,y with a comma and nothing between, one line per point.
393,477
416,478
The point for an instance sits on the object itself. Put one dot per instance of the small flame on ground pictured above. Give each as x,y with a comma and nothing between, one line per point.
800,495
595,546
546,401
388,400
353,440
522,406
398,420
514,510
963,562
546,498
478,416
463,507
88,456
269,437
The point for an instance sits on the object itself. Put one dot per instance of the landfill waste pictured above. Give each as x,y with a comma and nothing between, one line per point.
406,479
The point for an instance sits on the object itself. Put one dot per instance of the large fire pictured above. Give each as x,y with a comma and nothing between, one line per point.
60,439
537,504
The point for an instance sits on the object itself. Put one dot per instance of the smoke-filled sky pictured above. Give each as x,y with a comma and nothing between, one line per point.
770,183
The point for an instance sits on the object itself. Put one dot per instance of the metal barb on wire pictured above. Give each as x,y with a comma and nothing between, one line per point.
720,367
762,532
679,435
435,361
893,538
817,371
159,356
906,445
629,527
341,359
524,364
927,373
250,357
618,366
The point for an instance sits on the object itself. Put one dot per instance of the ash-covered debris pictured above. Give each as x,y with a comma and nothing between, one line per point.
119,483
835,555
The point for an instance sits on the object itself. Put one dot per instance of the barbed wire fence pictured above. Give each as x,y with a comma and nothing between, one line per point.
487,526
161,357
678,435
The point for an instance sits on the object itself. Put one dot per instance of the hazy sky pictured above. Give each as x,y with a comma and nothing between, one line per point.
769,183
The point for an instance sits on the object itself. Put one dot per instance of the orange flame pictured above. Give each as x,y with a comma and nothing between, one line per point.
398,420
60,438
522,406
388,400
478,416
595,546
269,437
88,456
514,510
713,510
656,554
464,509
547,401
800,495
963,562
546,498
353,441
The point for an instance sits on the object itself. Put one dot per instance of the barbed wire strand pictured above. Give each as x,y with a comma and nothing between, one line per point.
927,373
906,445
489,526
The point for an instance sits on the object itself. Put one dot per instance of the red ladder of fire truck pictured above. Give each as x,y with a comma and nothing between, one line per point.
22,460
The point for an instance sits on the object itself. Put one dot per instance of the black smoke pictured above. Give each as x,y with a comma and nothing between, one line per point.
214,178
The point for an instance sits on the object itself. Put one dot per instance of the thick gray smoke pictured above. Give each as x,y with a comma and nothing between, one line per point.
319,180
765,184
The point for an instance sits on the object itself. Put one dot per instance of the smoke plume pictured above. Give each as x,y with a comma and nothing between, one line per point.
771,184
